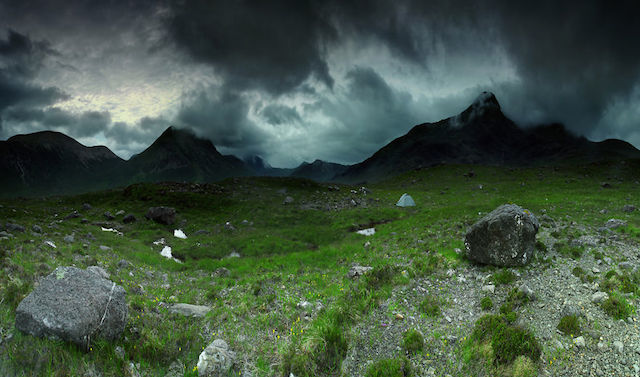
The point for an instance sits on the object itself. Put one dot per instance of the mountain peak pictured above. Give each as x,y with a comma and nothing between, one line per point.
486,100
482,106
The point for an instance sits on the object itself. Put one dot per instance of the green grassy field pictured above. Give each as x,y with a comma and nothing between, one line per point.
289,253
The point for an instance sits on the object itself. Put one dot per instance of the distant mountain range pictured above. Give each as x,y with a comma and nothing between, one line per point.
47,163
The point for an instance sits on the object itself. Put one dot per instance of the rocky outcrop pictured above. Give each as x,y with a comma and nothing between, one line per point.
505,237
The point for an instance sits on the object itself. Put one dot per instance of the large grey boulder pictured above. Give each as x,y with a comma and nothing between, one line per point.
74,305
162,215
216,360
505,237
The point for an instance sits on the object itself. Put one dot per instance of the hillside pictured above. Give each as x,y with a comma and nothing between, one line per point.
277,280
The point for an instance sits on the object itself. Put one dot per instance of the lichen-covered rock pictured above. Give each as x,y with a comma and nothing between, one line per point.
74,305
216,360
505,237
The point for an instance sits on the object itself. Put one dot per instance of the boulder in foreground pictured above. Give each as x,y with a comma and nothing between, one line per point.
74,305
505,237
216,360
162,215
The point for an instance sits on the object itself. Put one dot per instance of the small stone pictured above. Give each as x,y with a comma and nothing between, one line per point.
357,270
628,208
595,270
490,288
86,207
447,318
104,248
579,342
108,216
216,360
128,219
618,346
625,266
189,310
119,351
123,263
399,316
602,346
222,272
599,297
288,200
120,213
524,289
36,228
69,238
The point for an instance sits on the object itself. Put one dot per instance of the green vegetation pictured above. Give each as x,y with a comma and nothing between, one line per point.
486,303
564,249
617,306
412,341
430,306
570,325
504,277
398,367
295,253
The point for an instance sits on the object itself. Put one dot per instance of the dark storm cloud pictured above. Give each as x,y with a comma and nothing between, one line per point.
86,124
270,45
368,113
222,117
280,114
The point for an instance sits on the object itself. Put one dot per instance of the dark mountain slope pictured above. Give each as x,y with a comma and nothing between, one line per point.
179,155
482,134
50,162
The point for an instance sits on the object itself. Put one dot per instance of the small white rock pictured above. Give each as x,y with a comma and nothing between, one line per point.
489,288
579,342
178,233
618,346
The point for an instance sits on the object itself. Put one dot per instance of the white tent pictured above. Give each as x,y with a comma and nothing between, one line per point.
406,201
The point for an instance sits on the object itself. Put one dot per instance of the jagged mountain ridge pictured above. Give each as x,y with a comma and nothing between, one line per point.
482,134
46,163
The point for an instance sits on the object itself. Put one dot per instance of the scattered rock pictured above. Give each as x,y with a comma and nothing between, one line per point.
5,235
490,288
357,270
98,271
109,216
123,263
605,185
216,360
599,297
579,342
86,207
72,215
229,226
618,346
120,213
128,219
201,231
614,223
74,305
524,289
36,228
625,266
105,248
628,208
189,310
178,233
162,215
288,200
222,272
69,238
11,227
50,244
504,237
234,254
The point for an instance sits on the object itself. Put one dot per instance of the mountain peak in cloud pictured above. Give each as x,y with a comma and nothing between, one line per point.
486,100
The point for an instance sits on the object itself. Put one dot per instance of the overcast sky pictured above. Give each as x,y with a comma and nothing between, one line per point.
298,80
